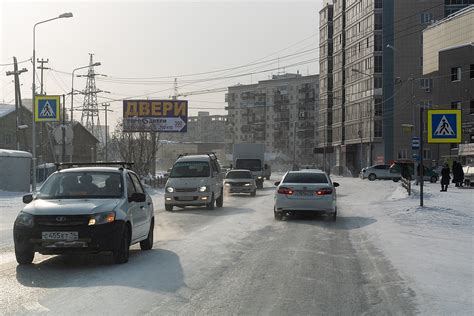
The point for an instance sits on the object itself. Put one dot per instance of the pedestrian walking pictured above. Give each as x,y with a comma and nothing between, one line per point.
458,174
445,177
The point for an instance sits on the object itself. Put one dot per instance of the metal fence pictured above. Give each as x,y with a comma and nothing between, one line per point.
158,182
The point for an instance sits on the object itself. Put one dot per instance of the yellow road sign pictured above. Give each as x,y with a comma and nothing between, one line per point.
444,126
47,108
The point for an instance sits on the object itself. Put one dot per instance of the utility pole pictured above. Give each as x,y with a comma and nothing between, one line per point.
63,130
42,62
41,124
106,106
18,104
420,153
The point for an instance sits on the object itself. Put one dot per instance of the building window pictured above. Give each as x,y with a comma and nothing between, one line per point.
378,21
456,74
377,82
378,64
426,83
471,72
378,43
426,153
456,105
378,4
426,17
8,139
378,107
403,154
378,128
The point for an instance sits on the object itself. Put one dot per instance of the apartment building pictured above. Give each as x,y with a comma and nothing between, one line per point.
203,128
279,113
448,61
371,82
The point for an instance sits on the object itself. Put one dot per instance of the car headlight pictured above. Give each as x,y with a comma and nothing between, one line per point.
259,177
24,219
170,189
227,184
203,189
102,218
247,184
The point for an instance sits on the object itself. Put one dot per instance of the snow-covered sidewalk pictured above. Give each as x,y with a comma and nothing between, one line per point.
430,246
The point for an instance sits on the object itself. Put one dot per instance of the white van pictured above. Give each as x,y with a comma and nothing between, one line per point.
195,180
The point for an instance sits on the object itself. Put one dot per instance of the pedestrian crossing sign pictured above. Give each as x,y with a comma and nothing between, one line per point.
444,126
47,108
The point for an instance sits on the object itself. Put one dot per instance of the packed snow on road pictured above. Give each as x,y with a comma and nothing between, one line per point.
403,258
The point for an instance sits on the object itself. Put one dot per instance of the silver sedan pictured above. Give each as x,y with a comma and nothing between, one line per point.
306,190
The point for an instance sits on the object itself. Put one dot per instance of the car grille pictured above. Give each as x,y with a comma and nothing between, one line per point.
238,184
62,220
186,189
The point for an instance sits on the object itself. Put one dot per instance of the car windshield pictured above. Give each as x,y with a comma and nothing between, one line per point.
72,185
249,164
190,169
239,175
299,177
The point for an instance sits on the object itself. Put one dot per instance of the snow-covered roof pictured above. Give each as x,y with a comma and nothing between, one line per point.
14,153
6,109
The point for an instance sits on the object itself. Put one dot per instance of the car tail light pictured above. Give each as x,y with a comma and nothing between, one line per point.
324,191
286,191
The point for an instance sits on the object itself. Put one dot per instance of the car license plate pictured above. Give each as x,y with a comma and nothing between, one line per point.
60,235
185,198
305,193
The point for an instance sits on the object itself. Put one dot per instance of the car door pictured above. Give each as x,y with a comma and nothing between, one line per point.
133,208
142,218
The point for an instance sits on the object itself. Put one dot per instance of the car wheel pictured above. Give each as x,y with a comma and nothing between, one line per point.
210,205
372,177
122,253
334,215
278,215
169,207
433,179
260,185
220,200
147,244
24,257
254,192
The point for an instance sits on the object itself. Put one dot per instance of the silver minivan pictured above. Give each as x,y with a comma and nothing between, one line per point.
195,180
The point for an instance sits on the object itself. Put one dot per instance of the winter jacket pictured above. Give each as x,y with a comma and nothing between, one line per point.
445,176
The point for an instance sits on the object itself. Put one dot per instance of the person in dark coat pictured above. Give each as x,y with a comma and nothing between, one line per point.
445,177
458,174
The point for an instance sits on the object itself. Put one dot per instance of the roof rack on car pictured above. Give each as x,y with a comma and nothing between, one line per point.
212,155
123,164
182,155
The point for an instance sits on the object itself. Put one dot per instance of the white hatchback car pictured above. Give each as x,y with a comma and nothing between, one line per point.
305,190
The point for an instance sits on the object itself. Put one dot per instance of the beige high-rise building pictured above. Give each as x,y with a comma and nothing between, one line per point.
279,113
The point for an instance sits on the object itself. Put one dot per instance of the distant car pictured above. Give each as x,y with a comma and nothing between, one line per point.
85,210
376,172
305,190
396,169
195,180
240,181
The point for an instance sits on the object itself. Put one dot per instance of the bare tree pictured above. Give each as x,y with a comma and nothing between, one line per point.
139,148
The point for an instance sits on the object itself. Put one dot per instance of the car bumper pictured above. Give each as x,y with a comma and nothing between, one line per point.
323,205
91,239
240,189
188,199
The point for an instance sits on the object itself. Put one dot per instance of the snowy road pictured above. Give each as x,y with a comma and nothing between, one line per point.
239,260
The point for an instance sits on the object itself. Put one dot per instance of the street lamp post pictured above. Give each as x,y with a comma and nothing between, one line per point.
33,88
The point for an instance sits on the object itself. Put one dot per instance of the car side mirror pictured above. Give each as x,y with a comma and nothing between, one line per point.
137,197
277,183
335,184
27,198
